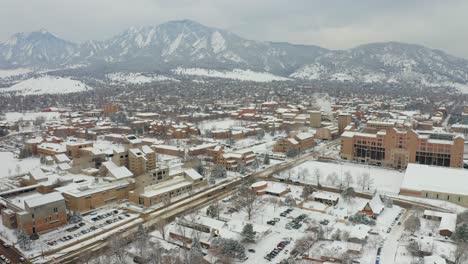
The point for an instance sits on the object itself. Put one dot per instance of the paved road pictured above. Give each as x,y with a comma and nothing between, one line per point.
10,253
392,242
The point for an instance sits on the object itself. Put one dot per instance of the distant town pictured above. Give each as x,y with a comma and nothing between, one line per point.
302,176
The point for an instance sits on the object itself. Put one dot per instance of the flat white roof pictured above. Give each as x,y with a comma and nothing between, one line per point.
193,174
44,199
435,178
153,193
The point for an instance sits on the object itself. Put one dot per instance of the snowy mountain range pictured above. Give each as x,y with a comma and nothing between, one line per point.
187,44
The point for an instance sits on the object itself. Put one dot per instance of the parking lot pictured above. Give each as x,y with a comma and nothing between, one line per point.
9,255
89,225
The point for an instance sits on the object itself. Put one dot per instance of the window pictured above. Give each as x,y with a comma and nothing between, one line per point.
55,210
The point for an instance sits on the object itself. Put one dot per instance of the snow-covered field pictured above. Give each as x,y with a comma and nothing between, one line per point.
13,72
11,166
221,123
47,85
236,74
137,78
383,180
30,116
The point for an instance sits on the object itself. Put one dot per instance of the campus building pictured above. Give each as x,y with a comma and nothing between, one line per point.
299,142
344,120
33,212
434,182
396,148
164,191
315,119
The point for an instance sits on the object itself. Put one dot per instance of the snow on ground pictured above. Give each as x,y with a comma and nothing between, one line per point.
47,85
218,43
236,74
13,72
30,116
323,100
11,165
137,78
221,123
384,180
310,72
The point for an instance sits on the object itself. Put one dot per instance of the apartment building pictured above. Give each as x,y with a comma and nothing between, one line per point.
232,160
299,142
201,149
73,148
109,109
397,148
315,119
327,133
141,160
344,119
169,150
51,149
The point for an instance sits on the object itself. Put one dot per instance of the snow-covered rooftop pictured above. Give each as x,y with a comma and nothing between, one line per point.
420,177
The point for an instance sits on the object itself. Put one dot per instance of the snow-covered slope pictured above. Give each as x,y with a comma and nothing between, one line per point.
47,85
189,45
236,74
13,72
39,48
137,78
389,62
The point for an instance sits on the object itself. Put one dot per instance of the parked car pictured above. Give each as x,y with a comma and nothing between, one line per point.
324,222
140,260
251,250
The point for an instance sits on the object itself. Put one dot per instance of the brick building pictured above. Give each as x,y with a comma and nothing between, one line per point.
395,148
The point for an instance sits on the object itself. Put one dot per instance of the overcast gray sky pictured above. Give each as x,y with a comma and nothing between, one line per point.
329,23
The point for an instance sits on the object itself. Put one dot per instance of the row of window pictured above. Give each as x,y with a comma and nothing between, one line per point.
439,196
429,158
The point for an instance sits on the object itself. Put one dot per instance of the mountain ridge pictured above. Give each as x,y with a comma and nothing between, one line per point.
189,44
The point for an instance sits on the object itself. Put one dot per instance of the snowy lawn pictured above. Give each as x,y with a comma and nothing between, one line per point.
30,116
12,166
383,180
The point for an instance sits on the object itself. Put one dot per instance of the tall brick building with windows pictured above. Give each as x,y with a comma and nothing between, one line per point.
395,148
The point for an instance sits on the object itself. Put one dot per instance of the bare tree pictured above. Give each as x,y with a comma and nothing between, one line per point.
348,180
116,249
462,217
318,175
414,248
461,253
304,244
161,226
348,194
332,179
155,253
289,201
412,224
247,201
303,173
307,190
141,238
